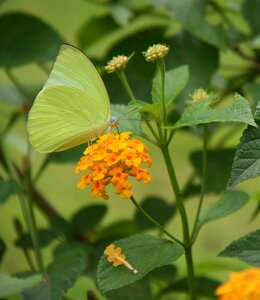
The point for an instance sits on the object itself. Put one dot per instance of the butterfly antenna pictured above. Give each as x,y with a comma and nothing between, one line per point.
128,112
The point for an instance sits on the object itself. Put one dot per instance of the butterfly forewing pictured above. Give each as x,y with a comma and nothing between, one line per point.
73,106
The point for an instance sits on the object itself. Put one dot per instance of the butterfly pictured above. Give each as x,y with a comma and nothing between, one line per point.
73,106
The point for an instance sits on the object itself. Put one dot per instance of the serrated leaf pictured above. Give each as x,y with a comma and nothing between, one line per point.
24,39
202,112
7,189
175,81
229,202
87,218
246,163
64,271
144,253
246,249
158,209
10,286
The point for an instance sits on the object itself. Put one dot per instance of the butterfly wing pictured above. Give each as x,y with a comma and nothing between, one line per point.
73,106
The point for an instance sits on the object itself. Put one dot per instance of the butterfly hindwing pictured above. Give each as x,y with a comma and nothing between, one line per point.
73,106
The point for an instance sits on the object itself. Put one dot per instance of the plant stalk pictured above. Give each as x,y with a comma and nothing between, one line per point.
184,220
150,219
203,183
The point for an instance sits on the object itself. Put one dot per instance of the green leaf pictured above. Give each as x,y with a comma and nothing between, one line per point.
67,156
24,39
158,209
219,160
10,286
246,163
144,253
100,27
2,249
253,88
139,290
191,15
202,112
61,275
87,218
166,274
25,241
7,189
64,271
118,230
229,202
189,50
128,121
251,12
246,249
205,286
121,14
175,81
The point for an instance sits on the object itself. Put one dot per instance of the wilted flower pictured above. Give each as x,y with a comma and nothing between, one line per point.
241,285
114,256
112,159
156,52
117,63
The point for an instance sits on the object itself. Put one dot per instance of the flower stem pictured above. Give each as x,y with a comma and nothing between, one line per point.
31,219
17,85
25,206
184,220
203,183
161,65
122,77
148,217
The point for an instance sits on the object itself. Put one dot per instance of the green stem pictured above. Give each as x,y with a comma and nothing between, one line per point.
31,219
17,84
161,65
184,220
191,275
41,169
122,77
130,93
25,206
148,217
203,183
177,193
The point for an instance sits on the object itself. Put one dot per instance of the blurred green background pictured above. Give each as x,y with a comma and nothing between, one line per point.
216,43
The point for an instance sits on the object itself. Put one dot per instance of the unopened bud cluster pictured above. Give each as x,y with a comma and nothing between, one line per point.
117,63
156,52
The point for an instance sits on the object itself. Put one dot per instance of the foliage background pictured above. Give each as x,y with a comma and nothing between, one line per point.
208,44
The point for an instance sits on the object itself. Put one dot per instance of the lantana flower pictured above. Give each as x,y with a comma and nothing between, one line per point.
115,256
112,160
117,63
156,52
241,285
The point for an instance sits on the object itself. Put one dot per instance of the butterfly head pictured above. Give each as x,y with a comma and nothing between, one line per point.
114,122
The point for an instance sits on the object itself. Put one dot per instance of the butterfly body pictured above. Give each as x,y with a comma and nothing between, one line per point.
72,108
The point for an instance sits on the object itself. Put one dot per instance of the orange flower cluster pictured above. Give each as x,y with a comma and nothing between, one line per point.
112,159
242,285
